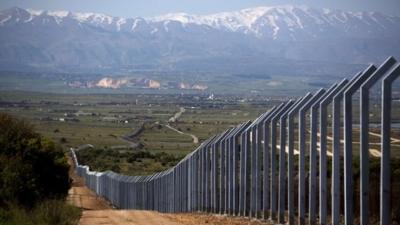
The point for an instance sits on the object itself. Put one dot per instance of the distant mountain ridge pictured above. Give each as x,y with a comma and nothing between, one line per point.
255,38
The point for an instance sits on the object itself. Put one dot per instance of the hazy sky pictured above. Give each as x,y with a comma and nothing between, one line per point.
145,8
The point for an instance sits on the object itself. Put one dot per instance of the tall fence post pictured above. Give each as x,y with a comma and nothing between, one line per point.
253,172
197,180
207,166
302,146
222,176
313,156
230,173
235,176
245,178
253,167
229,179
226,175
217,144
201,179
273,189
190,181
385,212
223,171
364,141
206,174
282,162
243,172
335,189
213,176
323,151
234,180
290,125
348,142
267,160
255,129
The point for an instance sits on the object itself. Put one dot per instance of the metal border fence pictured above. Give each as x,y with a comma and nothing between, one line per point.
244,172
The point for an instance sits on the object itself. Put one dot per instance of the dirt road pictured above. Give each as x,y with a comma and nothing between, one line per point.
124,217
82,197
195,139
174,118
138,217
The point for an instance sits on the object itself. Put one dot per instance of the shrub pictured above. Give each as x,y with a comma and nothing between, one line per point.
49,212
32,168
63,140
115,168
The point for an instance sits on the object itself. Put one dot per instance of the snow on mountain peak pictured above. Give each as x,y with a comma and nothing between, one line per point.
60,14
179,17
79,16
245,19
289,21
93,17
35,12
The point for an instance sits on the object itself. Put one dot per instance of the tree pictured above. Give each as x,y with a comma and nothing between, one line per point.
63,140
32,168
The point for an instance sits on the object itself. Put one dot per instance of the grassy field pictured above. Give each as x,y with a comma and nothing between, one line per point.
102,120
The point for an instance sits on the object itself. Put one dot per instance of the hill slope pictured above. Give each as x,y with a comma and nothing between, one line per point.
255,39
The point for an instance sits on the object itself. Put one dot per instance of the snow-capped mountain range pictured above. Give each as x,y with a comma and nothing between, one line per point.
62,39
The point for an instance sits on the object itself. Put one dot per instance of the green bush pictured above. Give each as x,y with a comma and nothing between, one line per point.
32,168
49,212
130,163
